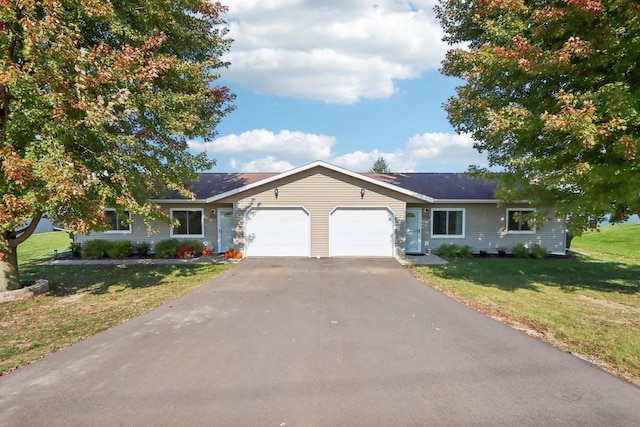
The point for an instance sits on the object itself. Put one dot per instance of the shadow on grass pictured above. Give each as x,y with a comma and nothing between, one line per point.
568,274
33,262
66,280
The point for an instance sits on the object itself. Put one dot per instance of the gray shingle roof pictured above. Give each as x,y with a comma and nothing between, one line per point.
453,186
212,184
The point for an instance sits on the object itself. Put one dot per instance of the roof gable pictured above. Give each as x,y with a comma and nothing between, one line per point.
431,187
315,164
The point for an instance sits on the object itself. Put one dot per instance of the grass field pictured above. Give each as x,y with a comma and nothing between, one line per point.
39,247
84,299
589,306
618,242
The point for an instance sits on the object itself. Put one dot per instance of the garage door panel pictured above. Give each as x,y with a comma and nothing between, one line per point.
361,232
277,232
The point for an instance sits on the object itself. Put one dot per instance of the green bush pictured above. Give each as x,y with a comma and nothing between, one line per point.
167,248
445,251
520,251
466,251
140,248
454,251
119,249
94,249
76,249
539,252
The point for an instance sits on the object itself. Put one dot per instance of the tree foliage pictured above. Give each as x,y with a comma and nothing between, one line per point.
552,95
380,166
98,100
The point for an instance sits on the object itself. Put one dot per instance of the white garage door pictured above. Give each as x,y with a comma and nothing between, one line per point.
361,232
277,232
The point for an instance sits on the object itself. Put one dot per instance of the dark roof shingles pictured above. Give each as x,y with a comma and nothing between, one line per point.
214,184
453,186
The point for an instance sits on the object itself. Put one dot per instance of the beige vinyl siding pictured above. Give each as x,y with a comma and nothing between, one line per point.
159,230
486,229
320,191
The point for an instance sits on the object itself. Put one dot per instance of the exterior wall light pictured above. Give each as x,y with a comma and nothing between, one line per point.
276,192
362,193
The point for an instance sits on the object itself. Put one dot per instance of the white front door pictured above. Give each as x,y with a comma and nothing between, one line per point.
225,229
413,228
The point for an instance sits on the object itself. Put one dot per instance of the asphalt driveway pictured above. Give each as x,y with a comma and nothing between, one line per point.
306,342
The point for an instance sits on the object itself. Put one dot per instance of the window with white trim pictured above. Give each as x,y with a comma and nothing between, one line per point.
191,222
516,224
117,223
447,223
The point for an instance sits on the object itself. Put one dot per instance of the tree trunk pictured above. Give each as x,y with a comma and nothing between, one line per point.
9,241
9,274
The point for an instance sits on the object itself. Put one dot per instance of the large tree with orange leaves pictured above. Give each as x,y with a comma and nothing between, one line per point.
552,95
98,99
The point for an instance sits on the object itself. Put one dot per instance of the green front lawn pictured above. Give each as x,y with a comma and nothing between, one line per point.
40,247
589,306
618,241
84,299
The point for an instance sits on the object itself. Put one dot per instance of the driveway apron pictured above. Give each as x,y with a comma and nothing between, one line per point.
314,342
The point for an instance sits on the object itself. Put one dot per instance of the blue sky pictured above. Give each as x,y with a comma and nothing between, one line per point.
344,81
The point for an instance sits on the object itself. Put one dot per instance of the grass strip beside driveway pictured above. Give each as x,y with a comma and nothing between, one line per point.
587,306
84,299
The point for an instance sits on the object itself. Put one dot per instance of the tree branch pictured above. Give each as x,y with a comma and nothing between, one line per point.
23,234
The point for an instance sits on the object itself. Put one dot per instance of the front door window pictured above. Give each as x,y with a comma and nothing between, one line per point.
225,229
413,231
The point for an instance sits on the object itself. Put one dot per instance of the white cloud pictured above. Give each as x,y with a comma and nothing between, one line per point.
424,152
334,51
296,146
267,164
264,151
360,161
444,148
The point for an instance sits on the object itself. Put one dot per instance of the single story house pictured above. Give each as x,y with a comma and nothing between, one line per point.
322,210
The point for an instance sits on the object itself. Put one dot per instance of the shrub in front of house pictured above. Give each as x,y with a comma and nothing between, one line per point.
539,252
76,249
195,245
140,248
454,251
185,251
94,249
466,251
119,249
520,251
535,251
448,251
167,248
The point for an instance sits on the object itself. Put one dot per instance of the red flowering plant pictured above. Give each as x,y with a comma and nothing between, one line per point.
185,251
